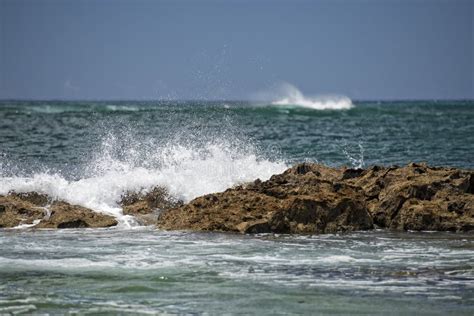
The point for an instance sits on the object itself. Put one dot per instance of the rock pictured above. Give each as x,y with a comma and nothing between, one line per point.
146,207
35,198
14,211
351,173
144,203
31,208
307,198
301,200
225,211
418,197
311,198
65,215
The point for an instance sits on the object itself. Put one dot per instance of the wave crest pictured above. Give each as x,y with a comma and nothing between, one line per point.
289,95
185,170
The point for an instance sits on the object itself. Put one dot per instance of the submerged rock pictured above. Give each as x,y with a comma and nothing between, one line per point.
311,198
41,212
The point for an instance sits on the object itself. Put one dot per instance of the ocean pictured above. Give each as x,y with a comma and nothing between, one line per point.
91,152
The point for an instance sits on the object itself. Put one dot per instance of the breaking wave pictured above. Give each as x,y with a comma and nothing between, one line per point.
186,170
290,96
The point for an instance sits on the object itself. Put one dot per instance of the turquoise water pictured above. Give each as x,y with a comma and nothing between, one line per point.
90,153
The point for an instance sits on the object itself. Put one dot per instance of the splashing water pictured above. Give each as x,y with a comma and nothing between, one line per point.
187,171
356,160
291,96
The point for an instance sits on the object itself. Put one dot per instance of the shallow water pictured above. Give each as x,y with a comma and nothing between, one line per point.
149,271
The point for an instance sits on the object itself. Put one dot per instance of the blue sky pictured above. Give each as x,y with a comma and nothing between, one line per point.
236,49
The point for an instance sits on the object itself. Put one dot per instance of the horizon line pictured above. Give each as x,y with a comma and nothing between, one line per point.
217,100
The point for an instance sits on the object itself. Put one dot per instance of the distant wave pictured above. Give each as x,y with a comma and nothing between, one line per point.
290,96
123,108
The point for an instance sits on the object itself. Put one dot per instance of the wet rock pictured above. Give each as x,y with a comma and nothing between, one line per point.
351,173
35,198
254,227
146,206
233,210
311,198
307,198
14,211
33,208
303,168
301,200
65,215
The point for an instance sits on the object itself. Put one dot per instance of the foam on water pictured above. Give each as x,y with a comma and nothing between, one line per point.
187,171
125,108
289,95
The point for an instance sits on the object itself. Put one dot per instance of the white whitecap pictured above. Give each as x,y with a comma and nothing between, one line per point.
288,95
187,172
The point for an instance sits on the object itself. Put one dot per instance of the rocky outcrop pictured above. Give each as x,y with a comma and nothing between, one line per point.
146,207
15,211
65,215
419,197
41,212
307,198
311,198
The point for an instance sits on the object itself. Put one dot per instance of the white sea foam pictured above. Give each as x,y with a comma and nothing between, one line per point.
288,95
186,171
124,108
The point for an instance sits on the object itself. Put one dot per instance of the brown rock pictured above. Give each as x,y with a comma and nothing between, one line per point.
311,198
304,199
307,198
26,208
418,197
221,211
15,211
35,198
146,207
65,215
